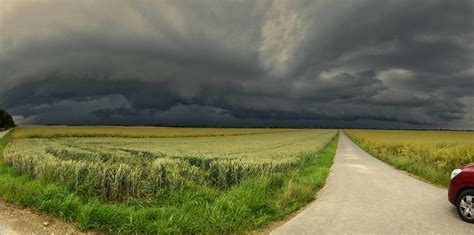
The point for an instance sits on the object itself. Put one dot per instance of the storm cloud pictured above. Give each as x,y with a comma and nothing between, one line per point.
239,63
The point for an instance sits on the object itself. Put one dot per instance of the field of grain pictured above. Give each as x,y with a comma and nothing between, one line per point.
119,168
135,132
165,180
431,155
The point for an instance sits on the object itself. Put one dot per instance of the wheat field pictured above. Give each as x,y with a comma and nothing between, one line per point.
118,168
135,132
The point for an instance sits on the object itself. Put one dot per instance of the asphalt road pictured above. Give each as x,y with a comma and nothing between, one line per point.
365,195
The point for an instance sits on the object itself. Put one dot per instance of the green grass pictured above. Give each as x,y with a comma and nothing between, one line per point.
250,205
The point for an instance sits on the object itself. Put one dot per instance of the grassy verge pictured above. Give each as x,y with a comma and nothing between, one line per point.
425,172
421,154
252,204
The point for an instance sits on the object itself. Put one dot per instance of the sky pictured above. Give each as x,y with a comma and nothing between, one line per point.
317,63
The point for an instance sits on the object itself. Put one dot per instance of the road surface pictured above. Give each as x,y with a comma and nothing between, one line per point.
365,195
16,220
5,230
3,133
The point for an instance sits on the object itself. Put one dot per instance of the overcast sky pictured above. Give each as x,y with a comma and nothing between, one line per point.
358,63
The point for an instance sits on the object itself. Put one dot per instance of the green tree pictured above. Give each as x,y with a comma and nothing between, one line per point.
6,120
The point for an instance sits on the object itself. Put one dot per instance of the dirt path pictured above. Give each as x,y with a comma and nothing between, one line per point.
3,133
365,195
18,220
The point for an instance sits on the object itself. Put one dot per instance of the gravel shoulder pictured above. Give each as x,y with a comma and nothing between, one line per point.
365,195
18,220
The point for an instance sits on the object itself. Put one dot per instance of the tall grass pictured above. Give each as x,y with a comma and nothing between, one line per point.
249,205
431,155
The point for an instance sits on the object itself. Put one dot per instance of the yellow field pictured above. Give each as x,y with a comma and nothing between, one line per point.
134,132
430,154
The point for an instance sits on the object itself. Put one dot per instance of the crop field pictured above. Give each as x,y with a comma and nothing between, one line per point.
135,132
431,155
193,181
117,168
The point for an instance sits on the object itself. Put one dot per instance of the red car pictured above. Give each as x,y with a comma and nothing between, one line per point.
461,191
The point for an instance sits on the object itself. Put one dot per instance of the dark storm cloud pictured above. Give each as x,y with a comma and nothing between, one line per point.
292,63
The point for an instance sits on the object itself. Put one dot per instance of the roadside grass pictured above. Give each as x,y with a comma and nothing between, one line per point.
440,178
250,205
429,155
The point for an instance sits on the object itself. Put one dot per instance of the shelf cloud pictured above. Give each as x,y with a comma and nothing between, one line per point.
239,63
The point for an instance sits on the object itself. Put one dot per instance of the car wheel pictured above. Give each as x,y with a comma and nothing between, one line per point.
465,205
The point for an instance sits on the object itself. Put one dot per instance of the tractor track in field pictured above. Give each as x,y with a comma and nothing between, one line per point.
364,195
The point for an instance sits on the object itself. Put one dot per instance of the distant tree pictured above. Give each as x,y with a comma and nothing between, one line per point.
6,120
